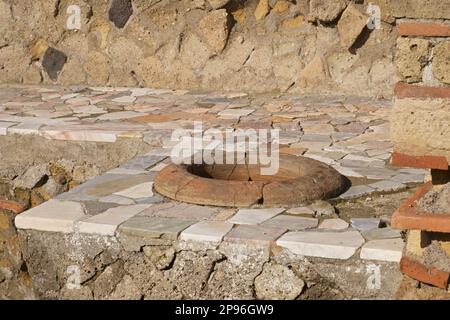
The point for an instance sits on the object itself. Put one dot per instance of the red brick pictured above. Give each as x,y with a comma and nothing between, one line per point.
410,217
404,90
12,206
425,274
424,29
427,162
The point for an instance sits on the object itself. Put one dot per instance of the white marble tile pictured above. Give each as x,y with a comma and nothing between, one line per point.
107,222
53,215
143,190
383,250
254,216
334,245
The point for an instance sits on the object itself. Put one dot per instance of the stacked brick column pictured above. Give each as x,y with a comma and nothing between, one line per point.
421,131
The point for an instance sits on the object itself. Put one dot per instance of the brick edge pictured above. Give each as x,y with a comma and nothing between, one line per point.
422,273
423,29
405,90
423,162
409,217
12,206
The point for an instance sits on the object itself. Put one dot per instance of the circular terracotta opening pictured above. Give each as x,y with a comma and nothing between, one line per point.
298,181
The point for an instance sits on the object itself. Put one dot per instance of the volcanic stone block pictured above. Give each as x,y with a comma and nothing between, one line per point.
214,29
441,62
315,72
120,11
38,49
419,127
262,9
326,10
412,55
278,282
53,62
351,25
423,9
216,4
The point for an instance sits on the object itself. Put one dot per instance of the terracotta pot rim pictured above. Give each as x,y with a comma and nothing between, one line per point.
319,182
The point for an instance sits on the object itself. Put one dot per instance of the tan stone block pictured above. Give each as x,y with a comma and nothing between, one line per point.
418,241
214,29
36,198
420,127
73,184
293,23
38,49
4,221
216,4
281,6
314,73
32,75
99,30
326,10
410,58
58,173
97,67
441,62
262,9
72,73
5,16
445,245
239,15
424,9
351,24
413,243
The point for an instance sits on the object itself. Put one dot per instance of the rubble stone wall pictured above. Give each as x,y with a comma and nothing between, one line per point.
41,168
306,46
79,266
421,115
15,282
34,170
